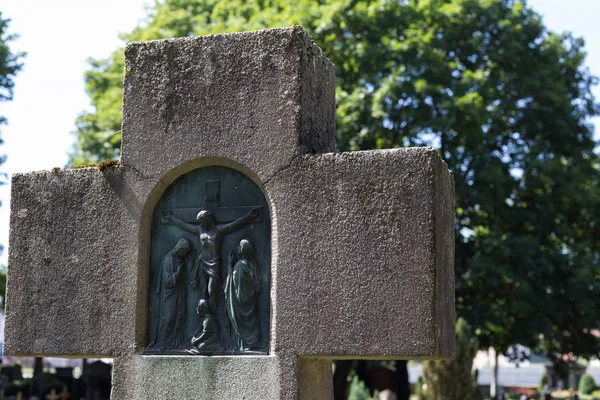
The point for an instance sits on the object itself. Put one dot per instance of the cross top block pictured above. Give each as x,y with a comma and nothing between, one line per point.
257,98
361,243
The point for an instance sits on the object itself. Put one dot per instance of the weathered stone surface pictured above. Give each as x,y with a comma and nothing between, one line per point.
257,98
72,279
155,377
363,255
221,377
443,212
315,380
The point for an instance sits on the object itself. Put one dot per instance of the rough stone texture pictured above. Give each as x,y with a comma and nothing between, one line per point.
70,290
315,380
206,378
362,243
222,377
363,259
444,258
258,98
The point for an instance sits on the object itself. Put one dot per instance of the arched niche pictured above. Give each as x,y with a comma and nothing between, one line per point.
210,272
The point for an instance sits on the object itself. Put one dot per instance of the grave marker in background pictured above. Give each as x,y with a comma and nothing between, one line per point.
361,244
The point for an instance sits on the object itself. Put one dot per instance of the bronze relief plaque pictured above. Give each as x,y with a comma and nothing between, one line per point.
210,266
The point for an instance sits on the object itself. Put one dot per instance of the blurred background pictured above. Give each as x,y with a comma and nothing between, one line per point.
504,89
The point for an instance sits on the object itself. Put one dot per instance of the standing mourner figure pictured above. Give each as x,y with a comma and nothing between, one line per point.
241,290
171,291
211,237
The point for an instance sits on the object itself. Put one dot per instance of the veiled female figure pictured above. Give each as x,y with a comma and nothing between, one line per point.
241,291
171,293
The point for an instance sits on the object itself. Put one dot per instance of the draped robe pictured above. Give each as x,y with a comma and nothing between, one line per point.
241,291
172,302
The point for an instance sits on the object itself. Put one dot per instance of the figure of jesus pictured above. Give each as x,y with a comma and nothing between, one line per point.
211,237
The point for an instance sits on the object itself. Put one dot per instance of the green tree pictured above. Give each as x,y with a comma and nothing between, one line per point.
587,384
10,64
506,102
543,383
2,287
453,380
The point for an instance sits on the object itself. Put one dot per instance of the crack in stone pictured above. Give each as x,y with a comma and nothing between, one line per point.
283,168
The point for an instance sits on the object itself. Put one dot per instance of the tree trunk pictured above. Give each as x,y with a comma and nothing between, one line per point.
403,386
82,377
38,366
494,383
340,378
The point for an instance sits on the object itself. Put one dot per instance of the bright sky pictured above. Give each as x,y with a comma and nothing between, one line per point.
59,36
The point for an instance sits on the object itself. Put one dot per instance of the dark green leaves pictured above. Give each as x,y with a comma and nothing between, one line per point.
504,100
10,63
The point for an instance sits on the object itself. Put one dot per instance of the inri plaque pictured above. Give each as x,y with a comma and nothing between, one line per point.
210,273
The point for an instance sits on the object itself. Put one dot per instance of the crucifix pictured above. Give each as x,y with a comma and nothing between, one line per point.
216,232
359,245
211,203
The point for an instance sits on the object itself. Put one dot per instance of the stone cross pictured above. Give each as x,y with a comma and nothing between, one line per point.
362,242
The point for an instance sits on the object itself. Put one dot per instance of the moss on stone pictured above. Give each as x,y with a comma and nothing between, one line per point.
108,164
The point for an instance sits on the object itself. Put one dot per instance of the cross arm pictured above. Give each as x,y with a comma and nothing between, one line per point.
181,224
365,262
72,277
240,222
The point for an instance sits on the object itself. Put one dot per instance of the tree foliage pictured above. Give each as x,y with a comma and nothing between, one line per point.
2,287
507,103
586,384
10,64
453,380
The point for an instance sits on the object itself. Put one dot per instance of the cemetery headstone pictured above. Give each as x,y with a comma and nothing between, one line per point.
65,375
45,383
13,372
97,378
232,253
